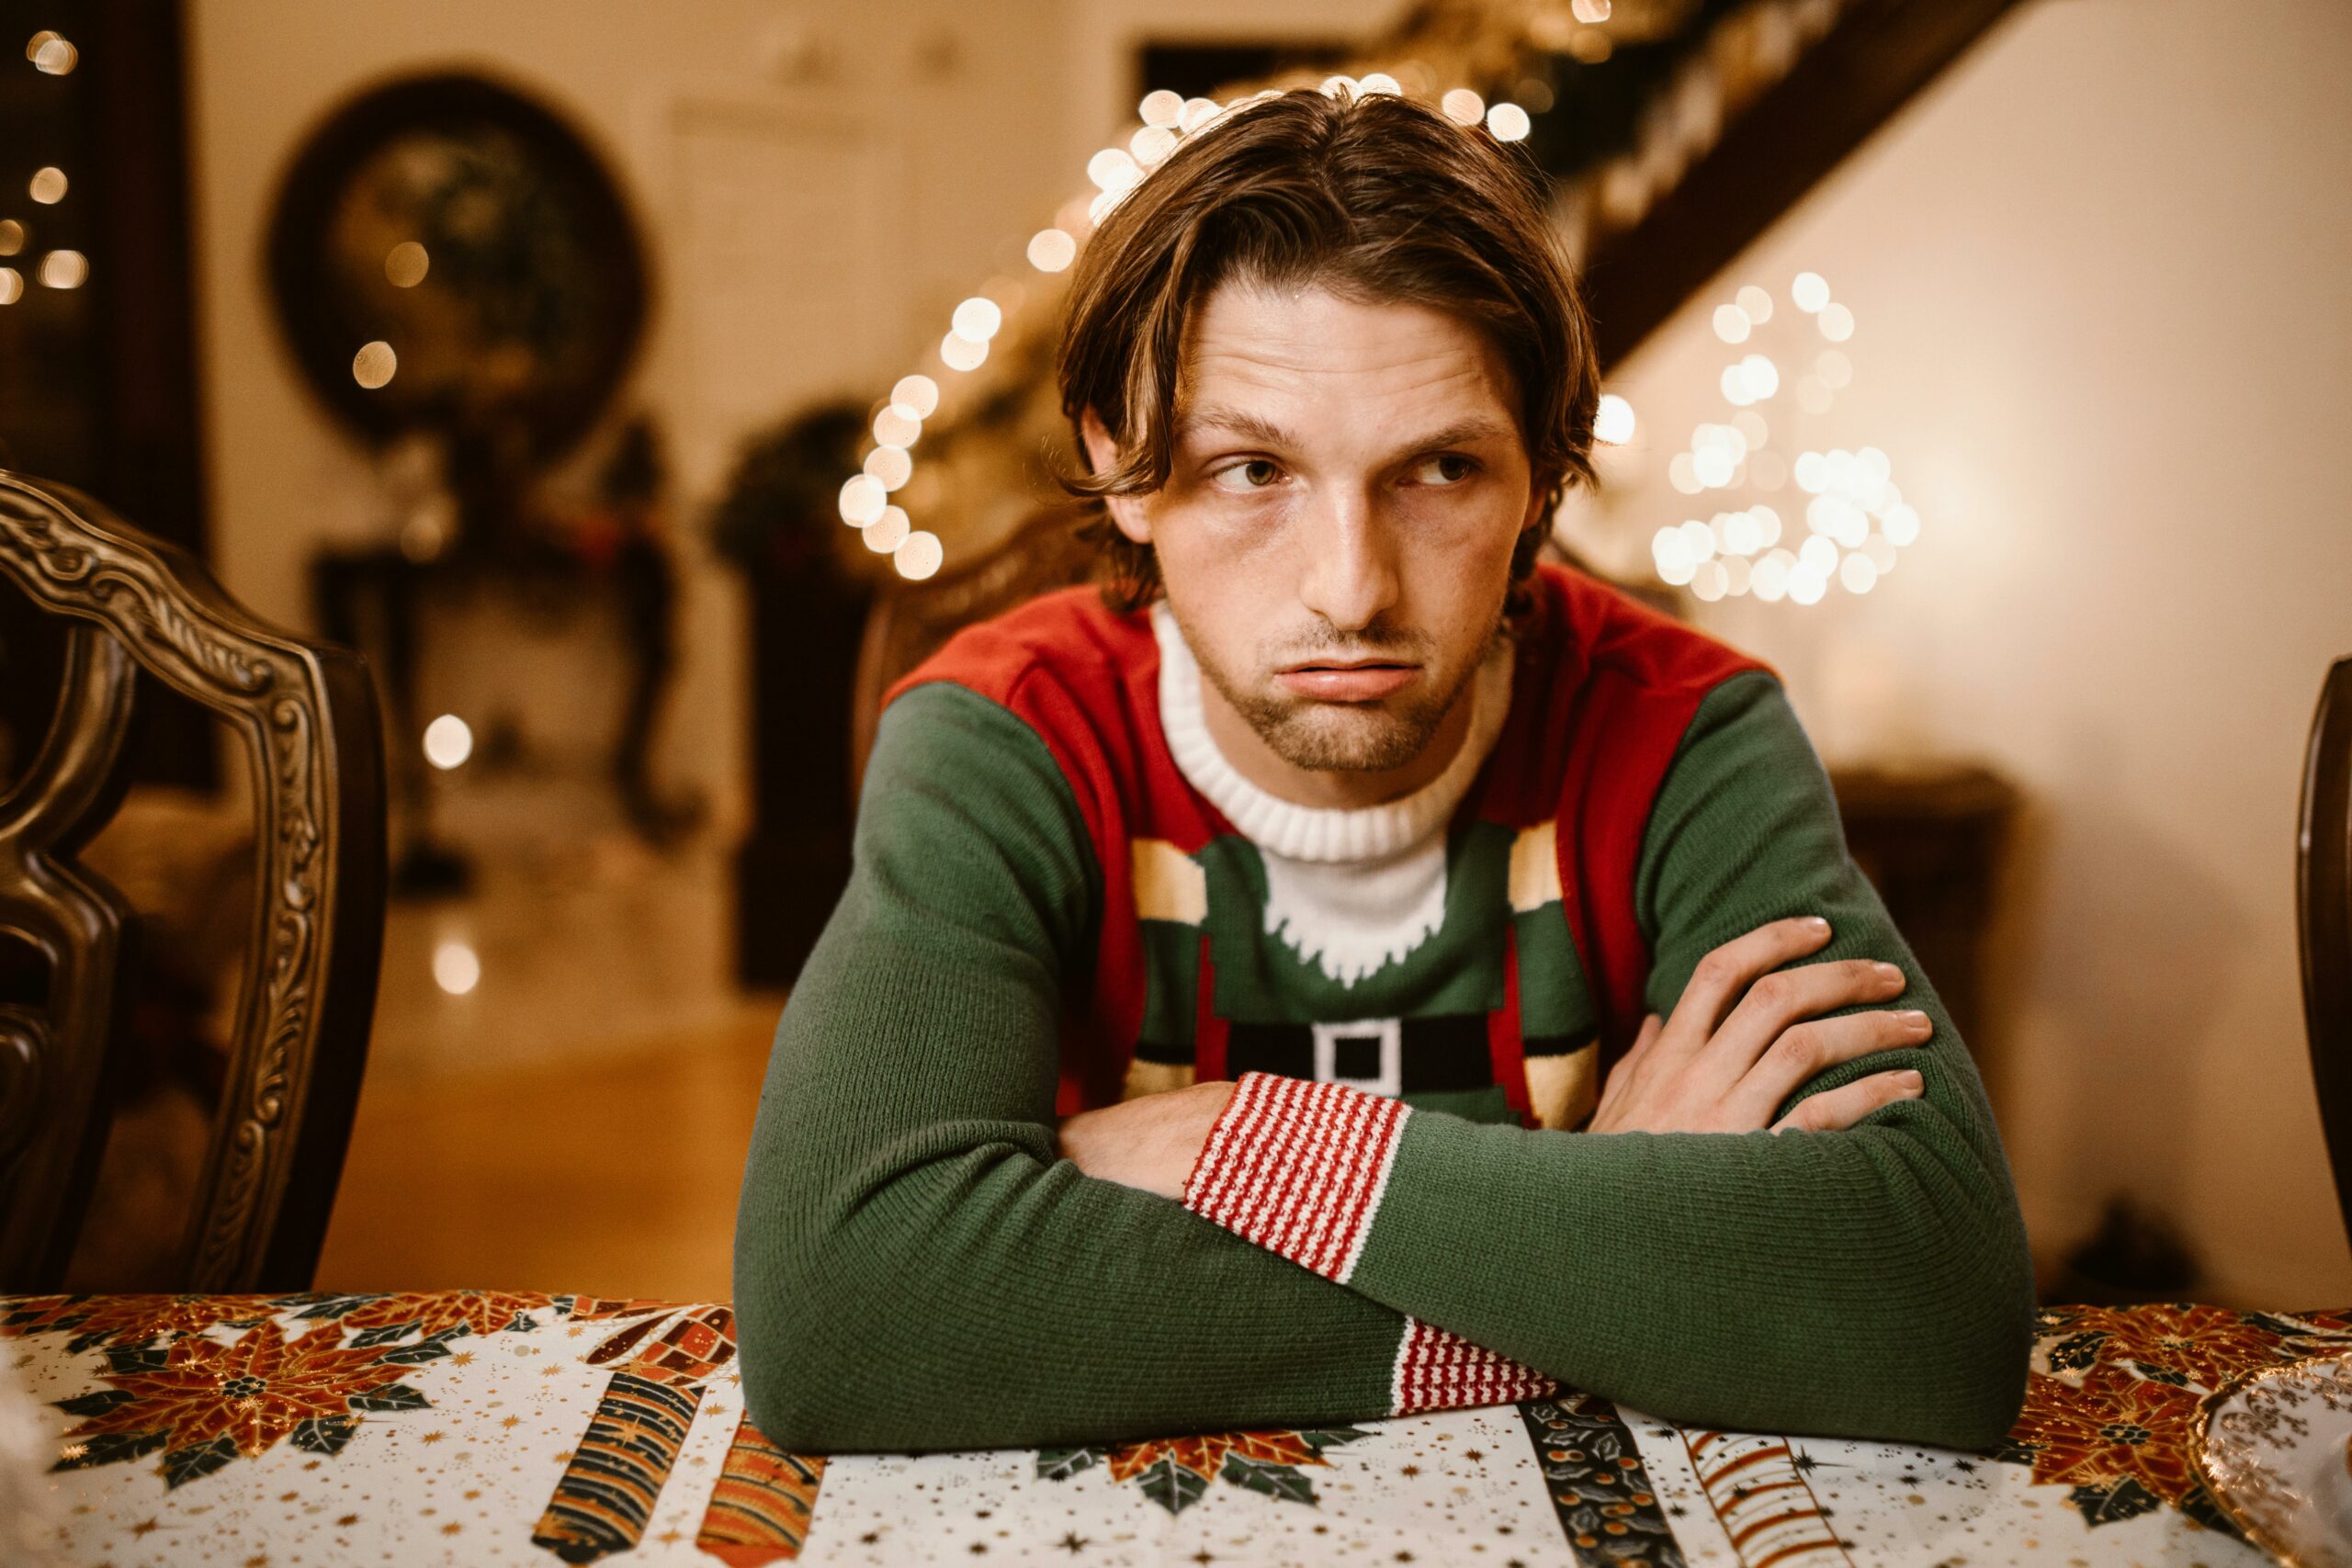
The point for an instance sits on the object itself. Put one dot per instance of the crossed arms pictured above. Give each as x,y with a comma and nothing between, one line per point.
918,1267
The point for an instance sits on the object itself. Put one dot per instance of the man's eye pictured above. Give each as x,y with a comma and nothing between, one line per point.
1447,469
1255,474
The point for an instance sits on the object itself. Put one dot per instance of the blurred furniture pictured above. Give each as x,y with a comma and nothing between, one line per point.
522,1428
474,236
307,715
456,274
2323,918
1931,840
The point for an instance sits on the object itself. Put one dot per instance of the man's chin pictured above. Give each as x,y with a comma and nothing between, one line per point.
1344,737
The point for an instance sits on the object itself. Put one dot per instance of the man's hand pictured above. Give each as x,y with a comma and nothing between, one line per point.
1739,1041
1151,1142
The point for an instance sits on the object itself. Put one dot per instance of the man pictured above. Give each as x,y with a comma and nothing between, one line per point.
1323,889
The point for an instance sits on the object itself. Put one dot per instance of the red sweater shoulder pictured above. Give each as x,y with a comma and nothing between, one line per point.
1070,632
1605,632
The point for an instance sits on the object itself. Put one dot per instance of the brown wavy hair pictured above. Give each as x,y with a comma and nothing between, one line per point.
1376,197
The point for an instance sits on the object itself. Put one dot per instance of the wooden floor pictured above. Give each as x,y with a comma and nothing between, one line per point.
614,1176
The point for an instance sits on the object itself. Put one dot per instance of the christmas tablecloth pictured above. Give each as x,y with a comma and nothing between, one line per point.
481,1427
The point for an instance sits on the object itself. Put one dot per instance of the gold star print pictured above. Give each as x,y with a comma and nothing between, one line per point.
462,1359
550,1370
563,1456
434,1437
348,1520
512,1421
144,1525
452,1527
73,1450
258,1559
669,1537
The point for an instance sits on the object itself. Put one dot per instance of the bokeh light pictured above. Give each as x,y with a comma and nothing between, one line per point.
917,396
406,264
375,365
448,741
457,968
918,556
1612,422
1509,122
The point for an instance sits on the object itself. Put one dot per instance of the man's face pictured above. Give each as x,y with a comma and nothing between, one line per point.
1336,532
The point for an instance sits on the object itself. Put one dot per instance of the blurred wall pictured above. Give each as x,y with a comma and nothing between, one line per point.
2103,277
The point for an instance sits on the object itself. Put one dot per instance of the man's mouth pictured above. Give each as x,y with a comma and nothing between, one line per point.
1346,679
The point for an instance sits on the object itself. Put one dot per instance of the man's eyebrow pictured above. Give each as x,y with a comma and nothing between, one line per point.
1239,421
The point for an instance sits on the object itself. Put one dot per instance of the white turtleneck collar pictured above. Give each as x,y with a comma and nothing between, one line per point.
1312,832
1349,889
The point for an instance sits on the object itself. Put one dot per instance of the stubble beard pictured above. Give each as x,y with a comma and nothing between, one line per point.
1360,737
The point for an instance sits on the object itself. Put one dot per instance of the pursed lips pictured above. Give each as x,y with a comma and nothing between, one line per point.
1348,680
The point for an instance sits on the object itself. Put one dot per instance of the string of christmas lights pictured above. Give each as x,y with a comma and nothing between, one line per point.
1855,521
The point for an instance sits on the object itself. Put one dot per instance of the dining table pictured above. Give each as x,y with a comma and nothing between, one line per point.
490,1427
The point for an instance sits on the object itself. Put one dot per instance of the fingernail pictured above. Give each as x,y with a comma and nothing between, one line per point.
1913,1080
1889,972
1913,1020
1816,924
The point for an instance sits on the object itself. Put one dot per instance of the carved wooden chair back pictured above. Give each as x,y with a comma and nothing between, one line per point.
2324,917
307,714
909,621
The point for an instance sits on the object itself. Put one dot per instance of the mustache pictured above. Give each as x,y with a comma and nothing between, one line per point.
1375,646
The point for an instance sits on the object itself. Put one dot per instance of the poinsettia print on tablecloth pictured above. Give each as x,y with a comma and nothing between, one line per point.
203,1402
126,1320
2115,1391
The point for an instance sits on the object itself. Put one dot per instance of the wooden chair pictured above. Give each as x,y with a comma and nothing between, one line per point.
2323,918
307,714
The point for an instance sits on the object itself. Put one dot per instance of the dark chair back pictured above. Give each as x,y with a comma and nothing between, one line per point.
307,714
2323,913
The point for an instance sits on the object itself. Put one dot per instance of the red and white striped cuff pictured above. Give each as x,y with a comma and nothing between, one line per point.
1298,1169
1437,1371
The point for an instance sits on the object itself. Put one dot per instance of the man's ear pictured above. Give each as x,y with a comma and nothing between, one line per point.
1126,511
1539,504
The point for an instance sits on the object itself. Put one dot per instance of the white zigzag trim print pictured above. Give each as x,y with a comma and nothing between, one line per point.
1352,920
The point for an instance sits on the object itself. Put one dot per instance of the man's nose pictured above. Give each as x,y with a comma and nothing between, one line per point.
1349,577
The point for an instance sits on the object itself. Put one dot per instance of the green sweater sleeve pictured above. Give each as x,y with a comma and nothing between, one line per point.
1869,1282
915,1267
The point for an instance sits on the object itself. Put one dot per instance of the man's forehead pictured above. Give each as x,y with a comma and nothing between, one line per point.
1257,357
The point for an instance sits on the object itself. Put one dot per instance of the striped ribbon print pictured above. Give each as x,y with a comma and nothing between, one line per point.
760,1510
1765,1505
606,1492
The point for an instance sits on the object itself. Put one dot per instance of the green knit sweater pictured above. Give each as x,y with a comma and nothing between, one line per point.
916,1267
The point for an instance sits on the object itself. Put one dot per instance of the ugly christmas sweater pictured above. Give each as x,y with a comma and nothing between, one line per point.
1064,895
